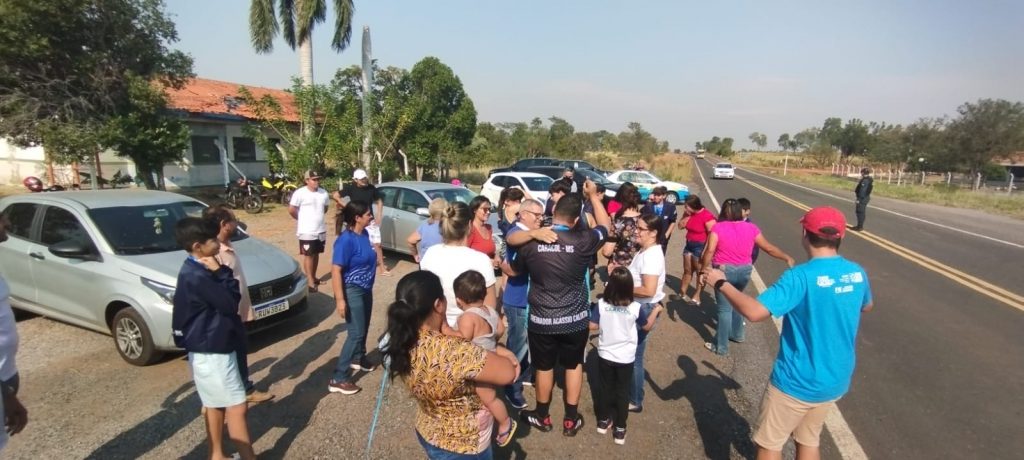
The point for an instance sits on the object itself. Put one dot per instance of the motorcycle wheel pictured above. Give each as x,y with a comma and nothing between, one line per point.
286,196
253,204
232,199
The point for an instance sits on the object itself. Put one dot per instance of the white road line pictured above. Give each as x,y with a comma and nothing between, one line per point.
846,441
947,227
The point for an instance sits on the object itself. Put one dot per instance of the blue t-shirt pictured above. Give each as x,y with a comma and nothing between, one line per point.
355,255
821,301
430,234
517,287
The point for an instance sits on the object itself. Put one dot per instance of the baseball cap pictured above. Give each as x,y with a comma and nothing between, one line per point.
310,174
359,174
825,221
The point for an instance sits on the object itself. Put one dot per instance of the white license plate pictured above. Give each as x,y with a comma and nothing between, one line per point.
271,309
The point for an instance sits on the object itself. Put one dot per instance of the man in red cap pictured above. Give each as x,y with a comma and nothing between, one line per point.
821,302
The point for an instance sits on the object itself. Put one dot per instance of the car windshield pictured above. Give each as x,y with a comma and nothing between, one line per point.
724,165
134,230
452,195
593,176
537,184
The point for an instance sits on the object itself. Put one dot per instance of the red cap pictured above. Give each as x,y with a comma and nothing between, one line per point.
825,221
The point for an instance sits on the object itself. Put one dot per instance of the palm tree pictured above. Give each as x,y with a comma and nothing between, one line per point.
297,19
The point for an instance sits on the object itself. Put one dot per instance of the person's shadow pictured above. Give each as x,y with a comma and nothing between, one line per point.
721,427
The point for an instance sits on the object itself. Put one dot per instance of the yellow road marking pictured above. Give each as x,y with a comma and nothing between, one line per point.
969,281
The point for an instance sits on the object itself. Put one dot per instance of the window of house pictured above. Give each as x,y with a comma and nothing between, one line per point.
245,148
204,150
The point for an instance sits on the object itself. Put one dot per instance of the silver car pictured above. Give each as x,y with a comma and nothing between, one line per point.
405,207
107,260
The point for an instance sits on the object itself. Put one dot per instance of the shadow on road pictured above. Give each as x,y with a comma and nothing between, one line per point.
721,427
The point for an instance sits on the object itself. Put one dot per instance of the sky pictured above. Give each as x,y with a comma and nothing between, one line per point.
686,70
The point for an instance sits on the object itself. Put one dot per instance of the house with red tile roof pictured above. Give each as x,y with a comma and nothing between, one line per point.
214,113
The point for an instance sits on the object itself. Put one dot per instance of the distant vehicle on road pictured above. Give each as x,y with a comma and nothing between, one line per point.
645,182
107,260
700,154
535,183
724,171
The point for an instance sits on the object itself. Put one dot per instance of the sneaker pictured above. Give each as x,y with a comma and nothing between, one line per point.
570,427
619,435
258,396
362,365
635,408
535,420
516,401
603,426
345,388
527,383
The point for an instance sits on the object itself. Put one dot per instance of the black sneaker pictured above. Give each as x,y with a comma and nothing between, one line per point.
570,427
535,420
363,365
603,426
516,401
619,435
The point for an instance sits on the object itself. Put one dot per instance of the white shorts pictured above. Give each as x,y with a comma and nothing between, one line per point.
374,230
218,381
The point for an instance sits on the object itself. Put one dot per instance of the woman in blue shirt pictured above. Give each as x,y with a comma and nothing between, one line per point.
429,231
352,273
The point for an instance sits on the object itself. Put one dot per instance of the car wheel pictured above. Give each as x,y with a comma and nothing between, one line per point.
253,204
132,338
672,198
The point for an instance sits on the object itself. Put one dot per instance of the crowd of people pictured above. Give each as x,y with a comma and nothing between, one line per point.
486,315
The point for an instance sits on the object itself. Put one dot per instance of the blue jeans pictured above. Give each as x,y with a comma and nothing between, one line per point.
636,388
518,344
357,315
730,322
437,453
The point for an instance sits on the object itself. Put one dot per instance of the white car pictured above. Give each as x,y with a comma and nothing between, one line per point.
645,182
724,171
535,183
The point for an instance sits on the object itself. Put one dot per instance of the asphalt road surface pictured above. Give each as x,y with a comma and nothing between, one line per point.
940,360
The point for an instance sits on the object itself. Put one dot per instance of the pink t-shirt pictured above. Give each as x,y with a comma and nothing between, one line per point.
735,242
696,227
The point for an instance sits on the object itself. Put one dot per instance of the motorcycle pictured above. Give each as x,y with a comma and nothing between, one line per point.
278,186
35,185
244,193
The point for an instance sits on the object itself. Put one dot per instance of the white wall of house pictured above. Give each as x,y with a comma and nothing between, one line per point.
17,163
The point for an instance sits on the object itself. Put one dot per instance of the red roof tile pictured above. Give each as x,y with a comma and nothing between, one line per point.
201,95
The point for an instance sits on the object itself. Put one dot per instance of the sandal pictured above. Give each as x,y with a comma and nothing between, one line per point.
314,288
504,438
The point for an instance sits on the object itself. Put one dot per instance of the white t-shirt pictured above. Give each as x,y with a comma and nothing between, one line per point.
618,339
650,261
448,262
312,209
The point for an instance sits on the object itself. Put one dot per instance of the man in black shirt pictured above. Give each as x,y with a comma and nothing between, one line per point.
863,194
364,191
559,299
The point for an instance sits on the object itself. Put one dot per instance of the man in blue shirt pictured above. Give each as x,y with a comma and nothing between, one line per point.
821,301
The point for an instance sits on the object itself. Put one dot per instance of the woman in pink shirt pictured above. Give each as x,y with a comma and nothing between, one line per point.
729,248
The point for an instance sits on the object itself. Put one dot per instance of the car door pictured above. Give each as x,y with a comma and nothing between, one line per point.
388,195
70,285
14,259
492,188
406,218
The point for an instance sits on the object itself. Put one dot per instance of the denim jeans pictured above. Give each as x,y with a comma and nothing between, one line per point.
518,344
730,322
357,315
437,453
636,388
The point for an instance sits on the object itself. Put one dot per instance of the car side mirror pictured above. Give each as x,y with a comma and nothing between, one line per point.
243,226
423,212
74,249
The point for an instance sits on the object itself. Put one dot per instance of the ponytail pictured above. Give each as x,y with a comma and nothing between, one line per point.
455,222
415,297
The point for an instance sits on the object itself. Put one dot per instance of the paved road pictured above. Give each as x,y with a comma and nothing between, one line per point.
940,371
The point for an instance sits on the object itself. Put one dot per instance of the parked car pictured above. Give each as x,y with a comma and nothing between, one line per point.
723,171
537,184
645,182
526,163
405,206
556,172
107,260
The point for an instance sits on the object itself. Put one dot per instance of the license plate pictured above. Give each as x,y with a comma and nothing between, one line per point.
271,309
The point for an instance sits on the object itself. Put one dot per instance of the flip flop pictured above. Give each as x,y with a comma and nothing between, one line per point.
314,288
385,272
507,435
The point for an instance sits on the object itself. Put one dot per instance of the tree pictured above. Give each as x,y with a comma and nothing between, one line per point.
986,130
806,138
442,116
67,67
297,20
854,138
759,139
561,137
831,131
784,141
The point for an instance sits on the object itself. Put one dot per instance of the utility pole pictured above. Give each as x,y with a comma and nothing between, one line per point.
364,155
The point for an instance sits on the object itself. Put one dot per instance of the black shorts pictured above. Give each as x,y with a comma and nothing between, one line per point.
548,349
310,247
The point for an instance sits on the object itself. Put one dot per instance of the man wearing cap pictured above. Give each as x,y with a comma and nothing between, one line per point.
308,207
365,191
821,302
863,195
